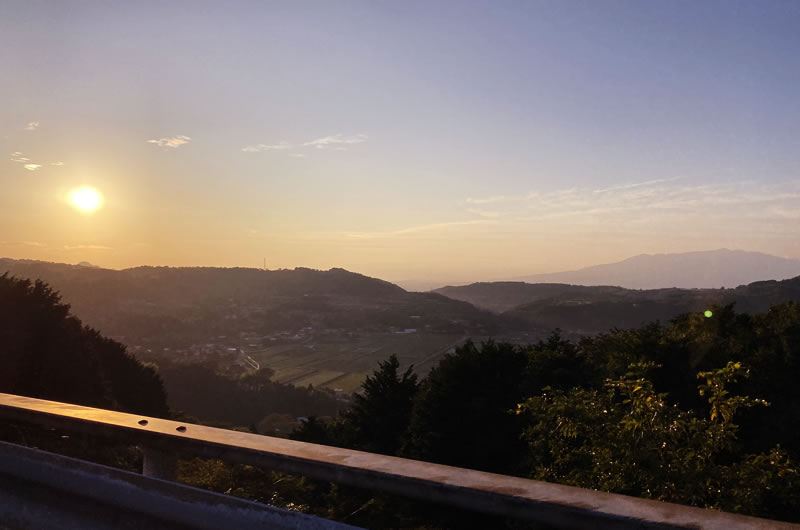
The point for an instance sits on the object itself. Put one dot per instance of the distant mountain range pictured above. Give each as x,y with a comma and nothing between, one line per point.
706,269
191,303
581,309
195,302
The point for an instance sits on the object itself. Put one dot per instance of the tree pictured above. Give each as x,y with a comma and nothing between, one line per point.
627,439
558,363
379,416
461,417
47,353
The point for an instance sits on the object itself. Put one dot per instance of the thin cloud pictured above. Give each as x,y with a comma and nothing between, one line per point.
659,206
173,142
487,200
32,126
22,244
87,247
337,141
27,163
298,155
260,148
419,228
484,213
638,184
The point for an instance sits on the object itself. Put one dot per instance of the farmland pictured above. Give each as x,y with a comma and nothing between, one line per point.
343,361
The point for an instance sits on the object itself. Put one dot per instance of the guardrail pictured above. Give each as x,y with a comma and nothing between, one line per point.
562,506
46,491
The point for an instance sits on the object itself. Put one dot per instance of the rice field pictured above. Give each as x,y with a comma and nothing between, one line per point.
343,361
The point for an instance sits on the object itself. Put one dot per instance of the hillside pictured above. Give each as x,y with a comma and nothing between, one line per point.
504,296
327,328
690,270
267,300
580,309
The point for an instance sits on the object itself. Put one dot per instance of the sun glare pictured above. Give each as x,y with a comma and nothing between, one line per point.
86,199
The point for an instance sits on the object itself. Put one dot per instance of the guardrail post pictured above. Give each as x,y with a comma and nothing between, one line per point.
159,464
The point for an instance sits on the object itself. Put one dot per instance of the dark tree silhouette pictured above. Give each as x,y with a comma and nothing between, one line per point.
379,417
461,414
47,353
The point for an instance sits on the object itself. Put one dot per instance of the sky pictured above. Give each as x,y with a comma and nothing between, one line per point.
446,141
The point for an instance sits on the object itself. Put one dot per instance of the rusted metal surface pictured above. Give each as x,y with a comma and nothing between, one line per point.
43,491
554,504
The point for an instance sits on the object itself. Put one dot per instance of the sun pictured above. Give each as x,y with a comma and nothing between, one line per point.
86,200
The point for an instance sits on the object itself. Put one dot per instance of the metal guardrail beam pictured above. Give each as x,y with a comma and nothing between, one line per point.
52,492
555,504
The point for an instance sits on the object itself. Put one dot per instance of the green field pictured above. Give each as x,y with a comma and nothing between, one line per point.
342,362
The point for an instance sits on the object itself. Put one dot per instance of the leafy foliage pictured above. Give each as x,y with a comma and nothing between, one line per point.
628,439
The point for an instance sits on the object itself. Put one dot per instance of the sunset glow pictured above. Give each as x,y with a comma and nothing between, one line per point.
405,141
86,200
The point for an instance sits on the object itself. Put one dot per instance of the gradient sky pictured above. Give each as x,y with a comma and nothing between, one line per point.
450,141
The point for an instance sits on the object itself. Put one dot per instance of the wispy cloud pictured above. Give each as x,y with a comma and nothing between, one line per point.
298,155
419,228
260,148
173,142
22,244
28,164
487,200
32,126
654,206
87,247
638,184
484,213
337,141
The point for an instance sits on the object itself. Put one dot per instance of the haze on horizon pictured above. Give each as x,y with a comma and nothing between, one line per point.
455,141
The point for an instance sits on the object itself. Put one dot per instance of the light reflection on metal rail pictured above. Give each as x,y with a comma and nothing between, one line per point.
562,506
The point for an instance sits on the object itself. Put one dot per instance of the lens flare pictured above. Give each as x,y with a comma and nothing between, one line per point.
86,200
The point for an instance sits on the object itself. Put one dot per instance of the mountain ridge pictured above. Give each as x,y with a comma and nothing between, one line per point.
688,270
198,300
594,309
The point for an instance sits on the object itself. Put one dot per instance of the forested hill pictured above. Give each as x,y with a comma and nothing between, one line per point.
188,304
594,309
181,285
500,297
202,300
